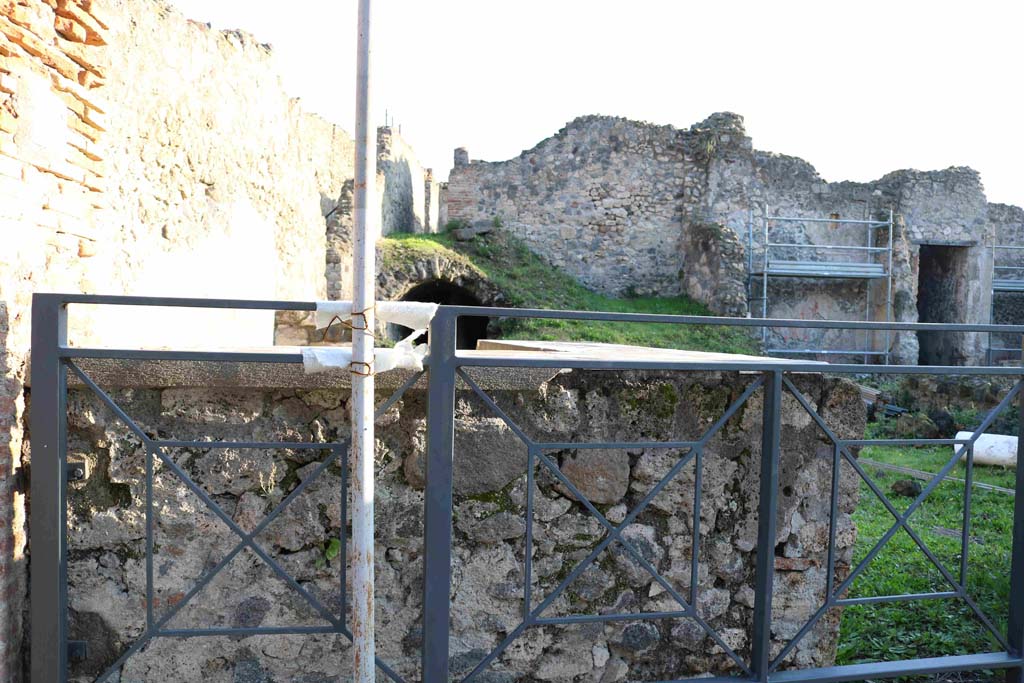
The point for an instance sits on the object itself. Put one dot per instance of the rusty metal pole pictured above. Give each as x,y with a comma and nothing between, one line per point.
363,298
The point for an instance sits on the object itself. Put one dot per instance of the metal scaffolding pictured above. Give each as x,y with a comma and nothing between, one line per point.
787,259
1006,279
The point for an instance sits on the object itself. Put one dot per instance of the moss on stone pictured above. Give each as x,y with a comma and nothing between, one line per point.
659,400
666,399
501,499
709,403
98,492
405,250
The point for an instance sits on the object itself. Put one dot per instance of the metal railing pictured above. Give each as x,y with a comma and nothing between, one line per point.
451,370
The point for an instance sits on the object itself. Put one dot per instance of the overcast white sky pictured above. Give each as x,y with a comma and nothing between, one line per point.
856,88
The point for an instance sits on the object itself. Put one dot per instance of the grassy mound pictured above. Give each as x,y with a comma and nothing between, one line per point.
528,282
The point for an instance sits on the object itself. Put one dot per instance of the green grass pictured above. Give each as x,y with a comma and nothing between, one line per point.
904,630
528,282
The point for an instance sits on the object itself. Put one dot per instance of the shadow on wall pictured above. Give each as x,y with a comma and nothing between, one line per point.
397,208
471,329
12,501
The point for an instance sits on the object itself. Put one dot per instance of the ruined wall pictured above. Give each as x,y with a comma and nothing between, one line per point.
107,569
217,183
598,200
949,209
407,186
714,268
942,208
677,210
442,208
713,256
1007,227
216,170
147,154
52,117
408,197
431,201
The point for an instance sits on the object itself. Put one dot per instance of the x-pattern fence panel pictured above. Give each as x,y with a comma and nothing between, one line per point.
156,452
53,359
964,450
693,451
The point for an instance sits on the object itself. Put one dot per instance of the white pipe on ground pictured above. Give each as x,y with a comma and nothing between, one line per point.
992,449
363,297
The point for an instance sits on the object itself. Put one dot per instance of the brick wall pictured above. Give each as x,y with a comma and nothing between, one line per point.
52,69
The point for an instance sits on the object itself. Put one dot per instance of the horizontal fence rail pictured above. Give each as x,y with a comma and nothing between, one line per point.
449,369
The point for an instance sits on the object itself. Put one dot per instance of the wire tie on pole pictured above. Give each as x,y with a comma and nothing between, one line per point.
362,314
347,323
367,370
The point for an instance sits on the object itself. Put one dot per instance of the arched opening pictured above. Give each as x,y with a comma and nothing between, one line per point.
471,329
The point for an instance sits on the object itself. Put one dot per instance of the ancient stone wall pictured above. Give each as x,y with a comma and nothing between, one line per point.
216,170
107,569
948,210
714,268
1007,227
144,153
663,188
600,200
53,65
431,201
407,187
442,208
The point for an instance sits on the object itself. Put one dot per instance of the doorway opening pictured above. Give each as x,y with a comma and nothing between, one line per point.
942,273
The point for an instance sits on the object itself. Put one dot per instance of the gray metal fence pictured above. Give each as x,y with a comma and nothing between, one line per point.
52,359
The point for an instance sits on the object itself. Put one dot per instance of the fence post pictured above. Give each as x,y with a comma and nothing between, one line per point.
48,414
766,509
437,514
1015,621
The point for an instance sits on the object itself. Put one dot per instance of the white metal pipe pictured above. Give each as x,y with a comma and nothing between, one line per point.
750,263
764,285
826,246
849,221
363,298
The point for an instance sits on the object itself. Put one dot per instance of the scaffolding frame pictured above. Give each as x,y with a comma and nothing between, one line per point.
1005,285
868,263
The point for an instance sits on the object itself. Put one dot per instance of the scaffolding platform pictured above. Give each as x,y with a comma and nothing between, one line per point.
1007,279
825,269
1007,285
867,262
